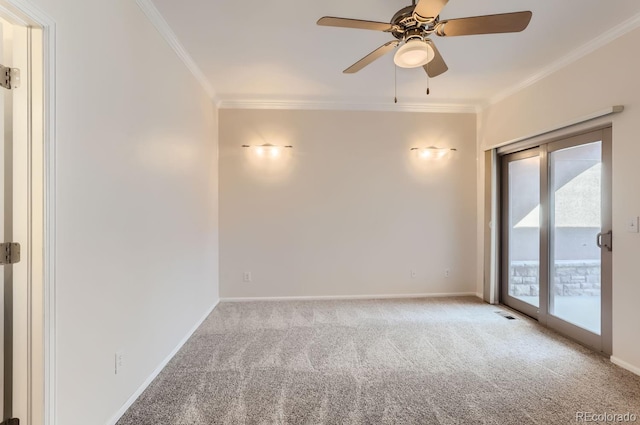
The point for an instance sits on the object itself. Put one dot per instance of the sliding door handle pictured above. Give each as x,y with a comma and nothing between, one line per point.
605,239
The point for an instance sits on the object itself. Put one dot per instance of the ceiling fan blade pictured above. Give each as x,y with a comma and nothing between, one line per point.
437,65
429,9
330,21
380,51
489,24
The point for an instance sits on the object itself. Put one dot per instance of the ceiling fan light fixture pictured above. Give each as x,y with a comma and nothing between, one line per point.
414,53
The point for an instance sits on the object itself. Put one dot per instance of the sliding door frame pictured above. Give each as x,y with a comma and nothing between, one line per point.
602,342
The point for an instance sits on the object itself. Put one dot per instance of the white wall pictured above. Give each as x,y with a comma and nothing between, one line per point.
349,210
136,250
606,77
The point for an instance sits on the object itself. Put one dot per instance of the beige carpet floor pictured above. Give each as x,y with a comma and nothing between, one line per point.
418,361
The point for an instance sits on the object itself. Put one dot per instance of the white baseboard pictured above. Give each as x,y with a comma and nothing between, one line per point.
349,297
625,365
161,366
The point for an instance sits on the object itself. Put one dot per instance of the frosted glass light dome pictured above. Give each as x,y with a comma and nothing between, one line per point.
414,53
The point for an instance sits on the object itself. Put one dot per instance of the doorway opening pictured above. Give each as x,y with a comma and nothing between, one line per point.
556,239
27,121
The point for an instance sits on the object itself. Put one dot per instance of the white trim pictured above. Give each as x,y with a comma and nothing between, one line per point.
167,33
625,365
33,15
589,47
158,369
14,18
348,297
345,106
31,12
165,30
50,300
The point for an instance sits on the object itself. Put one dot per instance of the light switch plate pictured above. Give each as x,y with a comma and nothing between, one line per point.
632,225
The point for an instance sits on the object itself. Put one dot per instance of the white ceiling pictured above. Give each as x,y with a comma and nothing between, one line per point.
273,51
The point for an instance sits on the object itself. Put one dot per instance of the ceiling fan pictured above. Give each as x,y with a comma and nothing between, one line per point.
413,25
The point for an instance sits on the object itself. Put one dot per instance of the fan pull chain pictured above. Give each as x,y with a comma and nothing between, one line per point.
395,83
428,91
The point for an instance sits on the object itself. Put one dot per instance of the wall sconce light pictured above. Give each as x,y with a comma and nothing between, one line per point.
433,152
267,149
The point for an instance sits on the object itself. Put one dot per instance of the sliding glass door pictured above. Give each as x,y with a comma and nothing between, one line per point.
556,245
521,238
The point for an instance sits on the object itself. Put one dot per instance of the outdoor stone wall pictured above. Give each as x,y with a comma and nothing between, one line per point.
571,278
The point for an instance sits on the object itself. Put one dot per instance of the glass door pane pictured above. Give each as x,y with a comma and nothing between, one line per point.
523,208
575,221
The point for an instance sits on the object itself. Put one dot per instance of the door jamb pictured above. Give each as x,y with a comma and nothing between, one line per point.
24,13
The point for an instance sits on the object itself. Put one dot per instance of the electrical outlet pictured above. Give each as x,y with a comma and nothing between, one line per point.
246,276
119,362
447,272
413,274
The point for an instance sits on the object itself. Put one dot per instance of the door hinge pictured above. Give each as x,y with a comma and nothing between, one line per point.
9,79
9,254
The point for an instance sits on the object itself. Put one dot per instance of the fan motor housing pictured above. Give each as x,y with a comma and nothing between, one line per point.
405,26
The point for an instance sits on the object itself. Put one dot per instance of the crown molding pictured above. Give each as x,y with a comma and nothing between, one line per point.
345,106
582,51
165,30
167,33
